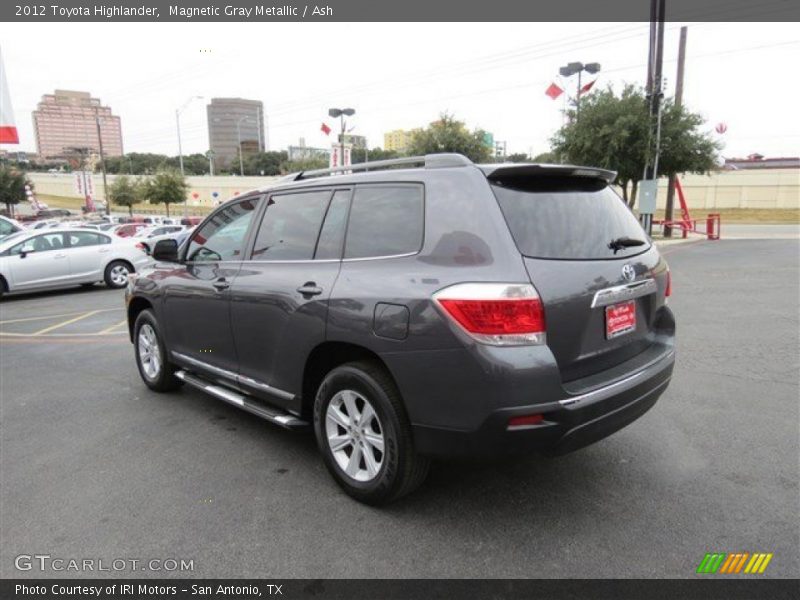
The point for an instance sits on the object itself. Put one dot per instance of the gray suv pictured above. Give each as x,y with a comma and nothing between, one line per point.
417,308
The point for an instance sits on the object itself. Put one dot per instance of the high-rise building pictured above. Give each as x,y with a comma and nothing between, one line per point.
234,124
66,120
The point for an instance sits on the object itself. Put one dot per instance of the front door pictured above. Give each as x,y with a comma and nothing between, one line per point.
43,263
197,295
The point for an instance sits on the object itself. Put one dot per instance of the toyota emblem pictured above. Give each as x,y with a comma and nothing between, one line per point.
628,272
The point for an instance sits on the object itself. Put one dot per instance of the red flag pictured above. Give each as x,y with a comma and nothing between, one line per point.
8,129
554,91
325,129
587,87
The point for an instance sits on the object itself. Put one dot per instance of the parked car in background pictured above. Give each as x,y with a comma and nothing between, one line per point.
127,229
150,236
427,308
54,213
191,221
36,260
9,226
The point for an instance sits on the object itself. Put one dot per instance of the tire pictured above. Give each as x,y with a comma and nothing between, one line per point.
393,473
116,274
155,370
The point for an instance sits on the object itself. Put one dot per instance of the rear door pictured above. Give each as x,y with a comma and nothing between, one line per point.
600,298
88,253
280,295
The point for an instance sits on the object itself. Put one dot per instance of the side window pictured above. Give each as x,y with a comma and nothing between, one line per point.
40,243
291,225
222,236
331,237
385,220
78,239
6,228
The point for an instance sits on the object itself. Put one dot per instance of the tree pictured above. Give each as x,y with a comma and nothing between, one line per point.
265,163
449,135
307,164
550,158
360,155
125,192
12,187
518,157
166,187
613,132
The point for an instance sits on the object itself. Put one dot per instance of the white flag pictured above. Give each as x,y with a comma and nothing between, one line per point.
8,129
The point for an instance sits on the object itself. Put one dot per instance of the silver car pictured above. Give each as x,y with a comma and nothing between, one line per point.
37,260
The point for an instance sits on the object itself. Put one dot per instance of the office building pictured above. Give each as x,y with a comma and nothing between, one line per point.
234,124
67,120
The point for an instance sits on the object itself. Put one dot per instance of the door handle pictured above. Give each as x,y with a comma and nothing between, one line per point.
60,256
221,284
309,288
104,250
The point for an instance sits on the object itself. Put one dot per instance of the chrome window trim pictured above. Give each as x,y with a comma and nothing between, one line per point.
384,257
620,293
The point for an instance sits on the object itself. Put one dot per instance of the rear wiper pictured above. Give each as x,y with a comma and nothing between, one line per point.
624,242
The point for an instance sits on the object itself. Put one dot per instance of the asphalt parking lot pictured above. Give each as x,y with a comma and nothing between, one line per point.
94,465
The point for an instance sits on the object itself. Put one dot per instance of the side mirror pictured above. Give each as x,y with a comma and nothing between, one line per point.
26,249
166,251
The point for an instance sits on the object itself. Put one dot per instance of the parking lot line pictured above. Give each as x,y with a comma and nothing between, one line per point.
113,327
43,317
67,322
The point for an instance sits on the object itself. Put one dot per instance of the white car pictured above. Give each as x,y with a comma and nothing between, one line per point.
9,226
37,260
150,236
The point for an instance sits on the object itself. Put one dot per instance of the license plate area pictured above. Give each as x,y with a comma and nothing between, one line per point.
620,319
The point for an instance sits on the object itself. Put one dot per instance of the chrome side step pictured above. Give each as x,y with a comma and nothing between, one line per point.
242,401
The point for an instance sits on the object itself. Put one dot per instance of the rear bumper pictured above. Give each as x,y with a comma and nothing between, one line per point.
570,423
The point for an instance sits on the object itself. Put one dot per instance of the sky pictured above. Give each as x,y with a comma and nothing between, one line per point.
397,75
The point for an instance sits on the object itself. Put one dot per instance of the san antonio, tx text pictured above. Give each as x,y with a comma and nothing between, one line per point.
126,589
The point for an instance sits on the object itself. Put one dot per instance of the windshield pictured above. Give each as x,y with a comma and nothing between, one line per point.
568,218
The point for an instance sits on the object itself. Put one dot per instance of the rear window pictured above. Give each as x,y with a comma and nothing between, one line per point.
567,218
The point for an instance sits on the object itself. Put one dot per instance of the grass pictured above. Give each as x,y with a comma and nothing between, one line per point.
143,208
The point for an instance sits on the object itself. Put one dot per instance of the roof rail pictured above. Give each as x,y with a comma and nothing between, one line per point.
429,161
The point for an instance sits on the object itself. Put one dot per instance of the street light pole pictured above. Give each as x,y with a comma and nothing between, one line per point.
178,112
578,67
341,112
102,161
239,136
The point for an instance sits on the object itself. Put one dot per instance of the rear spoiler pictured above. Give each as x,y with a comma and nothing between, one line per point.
503,171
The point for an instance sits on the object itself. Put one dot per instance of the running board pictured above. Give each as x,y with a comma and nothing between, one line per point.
242,401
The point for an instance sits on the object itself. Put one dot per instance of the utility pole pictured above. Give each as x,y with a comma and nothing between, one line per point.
102,161
669,210
654,95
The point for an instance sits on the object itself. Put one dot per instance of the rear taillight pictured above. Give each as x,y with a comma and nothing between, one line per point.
668,291
500,314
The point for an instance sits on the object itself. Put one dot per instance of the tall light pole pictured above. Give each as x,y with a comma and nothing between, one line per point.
102,161
341,113
239,136
178,112
578,67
